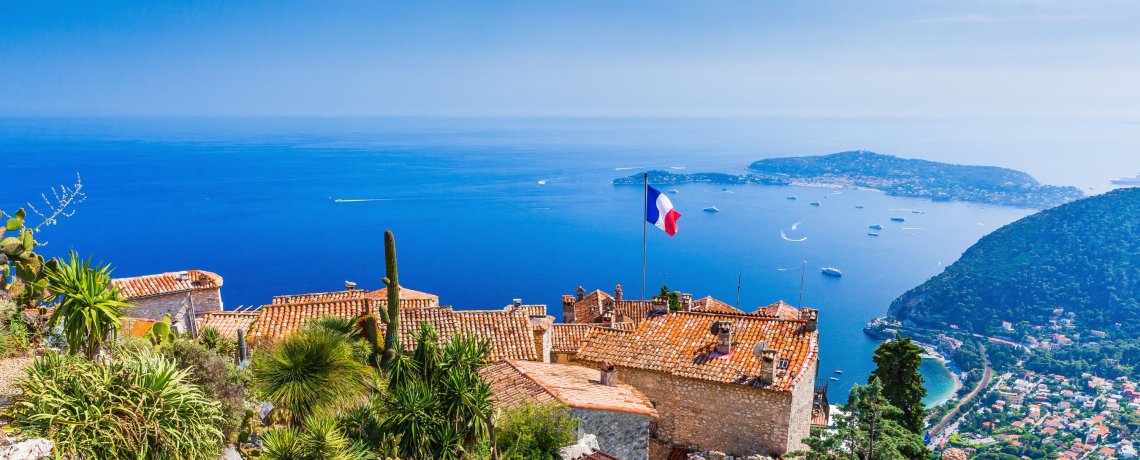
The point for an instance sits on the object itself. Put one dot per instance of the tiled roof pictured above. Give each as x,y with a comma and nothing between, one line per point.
167,283
576,386
634,311
590,306
409,298
780,309
228,322
712,305
681,344
318,297
136,327
511,388
569,336
510,334
527,309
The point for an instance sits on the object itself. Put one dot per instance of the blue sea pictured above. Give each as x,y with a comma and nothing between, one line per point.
485,211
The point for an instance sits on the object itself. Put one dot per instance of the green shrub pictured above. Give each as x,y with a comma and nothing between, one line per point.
314,372
137,406
218,377
535,431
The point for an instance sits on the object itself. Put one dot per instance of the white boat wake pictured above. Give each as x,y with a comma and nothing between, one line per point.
361,200
913,228
794,240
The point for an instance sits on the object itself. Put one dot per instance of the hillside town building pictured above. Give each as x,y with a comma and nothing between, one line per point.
182,295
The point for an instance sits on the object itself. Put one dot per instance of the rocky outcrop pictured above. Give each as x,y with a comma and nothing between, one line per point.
32,449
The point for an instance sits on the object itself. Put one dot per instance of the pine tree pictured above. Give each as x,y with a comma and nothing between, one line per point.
865,430
897,362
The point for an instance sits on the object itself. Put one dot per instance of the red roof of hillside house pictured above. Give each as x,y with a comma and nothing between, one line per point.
166,283
711,305
517,382
569,336
780,309
681,344
227,323
591,305
510,333
409,298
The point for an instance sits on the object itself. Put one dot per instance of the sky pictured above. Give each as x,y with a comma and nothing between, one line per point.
999,58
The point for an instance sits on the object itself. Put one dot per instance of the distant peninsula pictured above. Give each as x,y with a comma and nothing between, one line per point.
892,175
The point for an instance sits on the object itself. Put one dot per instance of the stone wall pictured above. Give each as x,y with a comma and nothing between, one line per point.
702,415
177,305
623,434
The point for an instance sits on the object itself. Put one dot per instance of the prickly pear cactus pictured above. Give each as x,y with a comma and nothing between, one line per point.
22,271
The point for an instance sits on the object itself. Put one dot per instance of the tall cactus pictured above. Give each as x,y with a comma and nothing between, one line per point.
391,316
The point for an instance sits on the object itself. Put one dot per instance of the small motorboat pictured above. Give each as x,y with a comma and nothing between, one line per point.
872,234
859,206
816,203
838,371
712,209
831,271
673,191
898,219
876,227
793,197
835,379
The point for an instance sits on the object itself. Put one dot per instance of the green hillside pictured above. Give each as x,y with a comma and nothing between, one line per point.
1083,256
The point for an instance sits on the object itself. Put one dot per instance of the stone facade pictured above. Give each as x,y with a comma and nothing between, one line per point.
181,306
623,434
737,419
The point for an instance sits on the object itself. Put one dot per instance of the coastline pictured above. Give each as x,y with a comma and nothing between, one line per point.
931,353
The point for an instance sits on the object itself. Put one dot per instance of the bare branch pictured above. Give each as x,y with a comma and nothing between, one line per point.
64,198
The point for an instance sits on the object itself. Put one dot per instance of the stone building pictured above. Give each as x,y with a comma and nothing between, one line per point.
182,295
618,415
735,383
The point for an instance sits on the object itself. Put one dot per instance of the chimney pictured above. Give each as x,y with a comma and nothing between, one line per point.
609,375
810,315
617,293
581,292
723,331
516,303
686,302
659,305
349,286
767,366
568,308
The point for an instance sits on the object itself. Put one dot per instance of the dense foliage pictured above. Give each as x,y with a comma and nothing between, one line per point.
535,432
139,405
865,429
438,404
922,178
1107,360
88,308
1083,257
896,367
216,375
316,372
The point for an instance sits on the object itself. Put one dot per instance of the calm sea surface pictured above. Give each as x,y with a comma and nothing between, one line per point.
483,213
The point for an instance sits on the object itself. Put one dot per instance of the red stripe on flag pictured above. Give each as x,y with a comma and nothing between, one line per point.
671,221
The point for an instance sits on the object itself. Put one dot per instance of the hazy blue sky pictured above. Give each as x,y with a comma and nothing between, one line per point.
580,58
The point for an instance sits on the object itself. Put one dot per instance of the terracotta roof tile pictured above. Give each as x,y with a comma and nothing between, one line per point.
527,309
409,298
569,336
712,305
228,322
318,297
590,306
167,283
681,344
511,388
136,327
510,333
634,311
575,386
780,309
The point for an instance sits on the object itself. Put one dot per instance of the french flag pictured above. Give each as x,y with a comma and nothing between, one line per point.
659,211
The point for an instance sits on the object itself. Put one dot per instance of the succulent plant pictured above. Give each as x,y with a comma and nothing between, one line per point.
391,316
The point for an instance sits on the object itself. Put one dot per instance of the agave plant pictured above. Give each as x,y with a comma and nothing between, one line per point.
311,373
139,406
89,306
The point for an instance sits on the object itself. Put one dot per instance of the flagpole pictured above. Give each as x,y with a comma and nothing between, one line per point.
645,212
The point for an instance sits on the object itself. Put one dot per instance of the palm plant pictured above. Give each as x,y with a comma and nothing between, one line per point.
311,373
89,306
438,404
319,439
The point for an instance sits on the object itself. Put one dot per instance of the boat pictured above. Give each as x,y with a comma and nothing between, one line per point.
859,206
712,209
898,219
831,271
793,197
673,191
837,371
815,203
876,227
915,211
1127,180
873,233
834,379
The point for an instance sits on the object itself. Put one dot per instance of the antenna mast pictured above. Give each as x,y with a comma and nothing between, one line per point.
803,269
739,277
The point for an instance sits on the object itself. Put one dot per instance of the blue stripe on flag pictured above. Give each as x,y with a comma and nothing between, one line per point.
651,213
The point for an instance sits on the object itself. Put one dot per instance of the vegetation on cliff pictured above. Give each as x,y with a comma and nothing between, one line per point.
1083,257
921,178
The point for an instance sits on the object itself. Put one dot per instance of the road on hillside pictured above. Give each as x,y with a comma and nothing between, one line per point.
987,374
